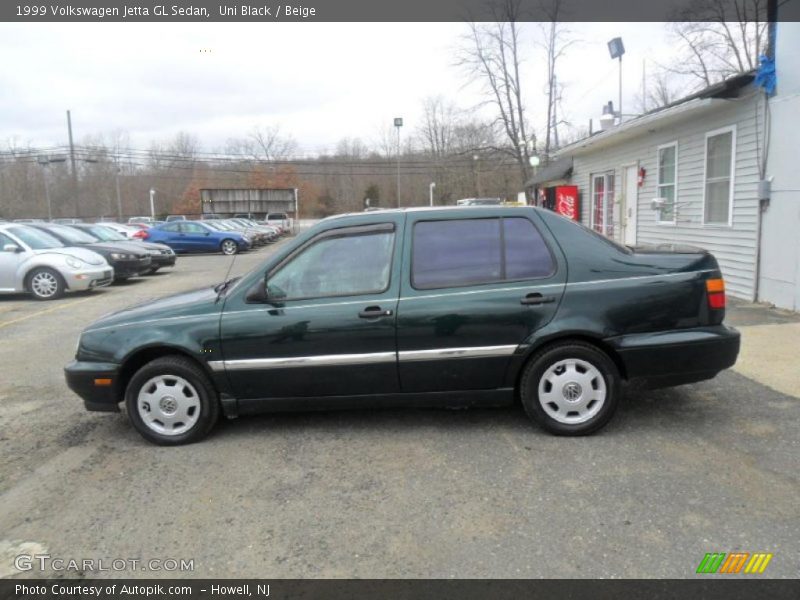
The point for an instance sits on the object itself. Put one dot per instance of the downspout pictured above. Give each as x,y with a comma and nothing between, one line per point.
764,184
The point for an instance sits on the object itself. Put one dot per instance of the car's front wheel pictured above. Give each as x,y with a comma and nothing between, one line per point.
170,401
229,247
46,284
571,388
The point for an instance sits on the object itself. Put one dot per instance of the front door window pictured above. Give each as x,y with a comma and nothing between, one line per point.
337,266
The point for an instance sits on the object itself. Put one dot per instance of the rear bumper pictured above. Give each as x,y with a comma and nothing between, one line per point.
670,358
81,378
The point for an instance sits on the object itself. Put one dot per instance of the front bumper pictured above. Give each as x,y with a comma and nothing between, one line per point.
163,260
131,268
676,357
82,378
87,279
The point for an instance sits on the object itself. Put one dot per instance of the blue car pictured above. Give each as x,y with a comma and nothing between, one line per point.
195,236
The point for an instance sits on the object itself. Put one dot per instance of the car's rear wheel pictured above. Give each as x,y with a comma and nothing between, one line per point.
170,401
229,247
571,388
46,284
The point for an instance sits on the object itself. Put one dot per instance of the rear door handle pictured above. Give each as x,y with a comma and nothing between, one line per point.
373,312
536,298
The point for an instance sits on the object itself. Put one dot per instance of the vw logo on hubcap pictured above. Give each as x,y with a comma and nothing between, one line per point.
572,391
168,405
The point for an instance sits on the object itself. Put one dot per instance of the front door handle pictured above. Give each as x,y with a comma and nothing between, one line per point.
372,312
536,298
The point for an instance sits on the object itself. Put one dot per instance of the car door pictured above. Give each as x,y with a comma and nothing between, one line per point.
328,328
9,263
473,290
169,234
196,238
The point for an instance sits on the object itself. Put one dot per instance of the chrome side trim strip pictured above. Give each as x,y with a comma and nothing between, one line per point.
330,360
324,360
445,353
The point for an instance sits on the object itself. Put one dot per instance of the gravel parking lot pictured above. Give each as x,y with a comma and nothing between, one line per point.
710,467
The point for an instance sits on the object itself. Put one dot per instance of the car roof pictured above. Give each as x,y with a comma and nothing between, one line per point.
464,210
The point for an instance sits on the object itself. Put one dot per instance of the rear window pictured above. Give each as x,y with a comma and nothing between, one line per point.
474,251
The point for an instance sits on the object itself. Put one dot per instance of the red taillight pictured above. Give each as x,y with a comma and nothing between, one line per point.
141,234
716,293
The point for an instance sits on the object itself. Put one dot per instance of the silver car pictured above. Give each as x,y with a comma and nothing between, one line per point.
33,261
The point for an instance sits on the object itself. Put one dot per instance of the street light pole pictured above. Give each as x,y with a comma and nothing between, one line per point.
152,204
398,123
430,190
44,161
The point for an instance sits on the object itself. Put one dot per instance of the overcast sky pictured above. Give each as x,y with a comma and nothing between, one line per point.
320,81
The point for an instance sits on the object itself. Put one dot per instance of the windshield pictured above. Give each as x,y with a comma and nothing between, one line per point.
73,236
105,234
35,239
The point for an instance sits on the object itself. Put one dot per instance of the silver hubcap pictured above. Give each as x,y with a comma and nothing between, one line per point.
44,284
229,247
168,405
572,391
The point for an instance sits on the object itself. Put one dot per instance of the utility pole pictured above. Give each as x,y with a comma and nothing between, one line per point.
44,161
119,196
398,123
72,164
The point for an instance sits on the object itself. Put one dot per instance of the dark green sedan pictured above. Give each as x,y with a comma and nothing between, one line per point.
420,307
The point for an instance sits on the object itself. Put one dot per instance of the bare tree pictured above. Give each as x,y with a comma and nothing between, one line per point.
554,41
440,119
264,143
719,38
491,55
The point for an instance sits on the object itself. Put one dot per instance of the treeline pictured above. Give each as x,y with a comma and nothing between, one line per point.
111,179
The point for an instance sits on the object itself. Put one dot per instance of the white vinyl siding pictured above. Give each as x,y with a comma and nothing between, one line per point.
734,246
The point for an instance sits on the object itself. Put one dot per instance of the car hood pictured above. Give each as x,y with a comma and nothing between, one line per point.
86,255
186,304
123,247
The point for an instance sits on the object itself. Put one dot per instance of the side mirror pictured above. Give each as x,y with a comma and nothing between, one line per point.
12,248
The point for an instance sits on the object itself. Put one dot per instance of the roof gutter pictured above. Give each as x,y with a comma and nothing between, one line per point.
640,126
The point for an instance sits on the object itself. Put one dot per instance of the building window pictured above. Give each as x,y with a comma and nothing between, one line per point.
668,180
602,212
720,151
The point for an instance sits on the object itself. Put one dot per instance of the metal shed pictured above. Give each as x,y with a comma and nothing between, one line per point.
257,202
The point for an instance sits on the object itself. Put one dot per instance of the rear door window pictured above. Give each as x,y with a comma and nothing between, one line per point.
464,252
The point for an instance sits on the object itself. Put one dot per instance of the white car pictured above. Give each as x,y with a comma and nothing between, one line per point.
124,230
33,261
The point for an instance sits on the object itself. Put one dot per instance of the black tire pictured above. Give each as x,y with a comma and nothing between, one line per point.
152,271
45,283
229,247
173,368
580,355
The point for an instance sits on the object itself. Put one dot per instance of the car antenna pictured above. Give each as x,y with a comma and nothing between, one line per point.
228,273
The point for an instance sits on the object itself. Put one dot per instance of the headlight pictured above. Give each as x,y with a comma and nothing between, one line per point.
75,263
121,256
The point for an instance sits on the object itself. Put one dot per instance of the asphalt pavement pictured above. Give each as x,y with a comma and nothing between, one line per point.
710,467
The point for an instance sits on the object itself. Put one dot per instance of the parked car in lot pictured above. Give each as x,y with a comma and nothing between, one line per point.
161,255
135,220
171,218
67,221
127,261
196,236
37,263
280,220
420,307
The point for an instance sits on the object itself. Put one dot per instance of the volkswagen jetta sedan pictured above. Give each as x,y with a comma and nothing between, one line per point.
422,307
33,261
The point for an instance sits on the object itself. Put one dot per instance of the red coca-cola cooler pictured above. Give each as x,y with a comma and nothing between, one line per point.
567,202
